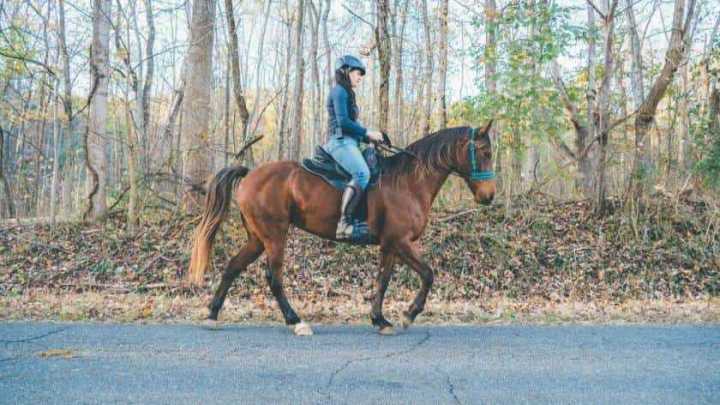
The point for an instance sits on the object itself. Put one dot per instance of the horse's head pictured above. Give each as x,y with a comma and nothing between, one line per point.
477,165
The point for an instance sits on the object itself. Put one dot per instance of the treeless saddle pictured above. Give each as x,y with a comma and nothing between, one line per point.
326,167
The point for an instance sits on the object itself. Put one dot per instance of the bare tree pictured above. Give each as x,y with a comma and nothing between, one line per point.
235,63
314,45
56,155
260,58
296,139
326,44
427,116
597,125
96,136
9,200
443,62
490,63
196,108
382,39
398,35
283,138
641,176
603,125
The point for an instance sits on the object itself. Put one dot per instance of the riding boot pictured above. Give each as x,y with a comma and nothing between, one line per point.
350,198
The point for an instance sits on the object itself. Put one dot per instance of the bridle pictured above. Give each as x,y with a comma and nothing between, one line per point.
475,173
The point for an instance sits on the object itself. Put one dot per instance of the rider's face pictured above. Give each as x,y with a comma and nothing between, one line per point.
355,76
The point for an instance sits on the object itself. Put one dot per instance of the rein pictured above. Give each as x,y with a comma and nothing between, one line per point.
475,173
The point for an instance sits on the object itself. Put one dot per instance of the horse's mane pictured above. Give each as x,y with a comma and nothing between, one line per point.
435,152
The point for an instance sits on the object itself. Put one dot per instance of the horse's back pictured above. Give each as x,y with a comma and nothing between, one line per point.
264,190
284,191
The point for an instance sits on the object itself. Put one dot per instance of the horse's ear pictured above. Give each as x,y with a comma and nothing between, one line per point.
486,129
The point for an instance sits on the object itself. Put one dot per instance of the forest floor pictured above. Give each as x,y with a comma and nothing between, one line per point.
546,262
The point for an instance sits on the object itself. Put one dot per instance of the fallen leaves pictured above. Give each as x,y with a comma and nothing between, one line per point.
557,252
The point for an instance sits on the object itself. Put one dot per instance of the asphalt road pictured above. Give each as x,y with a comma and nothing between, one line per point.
102,363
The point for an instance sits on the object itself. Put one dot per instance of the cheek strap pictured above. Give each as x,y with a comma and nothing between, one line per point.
475,173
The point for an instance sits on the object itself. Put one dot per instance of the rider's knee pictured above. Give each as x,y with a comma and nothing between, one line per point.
362,177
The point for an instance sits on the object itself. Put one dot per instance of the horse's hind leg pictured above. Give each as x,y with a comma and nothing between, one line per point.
275,256
387,263
411,256
248,254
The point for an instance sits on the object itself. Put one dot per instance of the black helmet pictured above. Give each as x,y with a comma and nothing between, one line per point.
350,62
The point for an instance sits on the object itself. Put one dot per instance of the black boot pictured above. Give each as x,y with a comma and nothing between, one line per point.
350,198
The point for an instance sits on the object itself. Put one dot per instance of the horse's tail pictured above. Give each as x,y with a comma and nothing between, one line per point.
217,201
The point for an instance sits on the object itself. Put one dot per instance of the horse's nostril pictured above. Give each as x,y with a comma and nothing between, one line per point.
487,200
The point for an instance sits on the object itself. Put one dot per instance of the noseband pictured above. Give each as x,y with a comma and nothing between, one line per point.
475,173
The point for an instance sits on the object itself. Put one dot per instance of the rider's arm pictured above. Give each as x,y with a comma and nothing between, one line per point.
340,102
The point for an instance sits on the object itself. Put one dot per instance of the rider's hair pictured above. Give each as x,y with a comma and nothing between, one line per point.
342,78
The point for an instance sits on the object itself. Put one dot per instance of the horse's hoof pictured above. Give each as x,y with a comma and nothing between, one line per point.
405,322
211,324
302,329
387,331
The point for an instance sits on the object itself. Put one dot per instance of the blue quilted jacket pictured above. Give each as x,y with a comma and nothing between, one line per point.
342,117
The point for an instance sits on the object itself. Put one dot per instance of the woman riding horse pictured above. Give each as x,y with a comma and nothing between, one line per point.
277,195
345,134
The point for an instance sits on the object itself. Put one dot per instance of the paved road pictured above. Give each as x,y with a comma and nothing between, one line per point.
101,363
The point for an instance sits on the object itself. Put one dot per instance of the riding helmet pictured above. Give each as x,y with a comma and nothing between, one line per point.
350,62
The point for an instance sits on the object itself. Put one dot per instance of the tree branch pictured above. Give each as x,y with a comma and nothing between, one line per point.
597,10
28,60
358,17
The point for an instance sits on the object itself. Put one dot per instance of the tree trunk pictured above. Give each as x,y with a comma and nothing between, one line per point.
55,154
261,53
686,141
96,133
197,103
315,43
443,61
297,129
282,126
66,132
67,83
9,201
603,105
427,116
490,63
398,35
328,48
382,39
148,81
642,176
585,150
235,62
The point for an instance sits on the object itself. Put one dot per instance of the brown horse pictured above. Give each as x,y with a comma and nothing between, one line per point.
278,194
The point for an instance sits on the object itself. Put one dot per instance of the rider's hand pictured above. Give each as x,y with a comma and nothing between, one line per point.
375,136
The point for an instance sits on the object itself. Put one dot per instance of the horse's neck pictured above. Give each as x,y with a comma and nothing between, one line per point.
425,188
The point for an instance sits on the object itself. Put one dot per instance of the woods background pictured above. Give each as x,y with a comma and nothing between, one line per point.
130,104
606,144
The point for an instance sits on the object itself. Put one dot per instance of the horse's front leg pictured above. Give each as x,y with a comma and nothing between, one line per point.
387,264
412,257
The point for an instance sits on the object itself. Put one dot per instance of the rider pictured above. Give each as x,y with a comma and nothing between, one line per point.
345,134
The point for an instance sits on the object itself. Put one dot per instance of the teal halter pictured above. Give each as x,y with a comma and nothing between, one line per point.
475,173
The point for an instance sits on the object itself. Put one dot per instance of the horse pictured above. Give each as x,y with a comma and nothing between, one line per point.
277,194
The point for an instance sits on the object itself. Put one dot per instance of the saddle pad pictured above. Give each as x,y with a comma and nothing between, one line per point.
332,179
327,174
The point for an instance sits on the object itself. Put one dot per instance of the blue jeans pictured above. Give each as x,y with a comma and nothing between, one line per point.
346,152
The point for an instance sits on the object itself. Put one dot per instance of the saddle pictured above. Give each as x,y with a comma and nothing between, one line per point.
327,168
324,165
